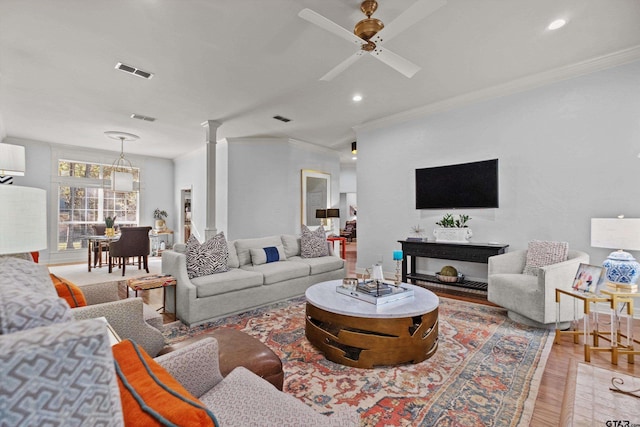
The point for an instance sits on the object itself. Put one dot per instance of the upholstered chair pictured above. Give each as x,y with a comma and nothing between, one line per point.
531,299
133,242
349,230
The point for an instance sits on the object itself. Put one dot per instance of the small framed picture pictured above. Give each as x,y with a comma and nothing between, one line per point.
589,278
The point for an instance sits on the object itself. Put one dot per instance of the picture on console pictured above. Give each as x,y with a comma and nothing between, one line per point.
589,278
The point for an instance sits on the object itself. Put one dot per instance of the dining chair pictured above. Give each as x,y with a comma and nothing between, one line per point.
133,242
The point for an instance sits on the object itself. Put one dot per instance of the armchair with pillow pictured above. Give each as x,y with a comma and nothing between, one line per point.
59,371
524,282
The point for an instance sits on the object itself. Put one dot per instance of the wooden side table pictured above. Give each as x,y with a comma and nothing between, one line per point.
343,245
155,281
587,328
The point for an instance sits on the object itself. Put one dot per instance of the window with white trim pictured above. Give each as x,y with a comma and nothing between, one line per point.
83,201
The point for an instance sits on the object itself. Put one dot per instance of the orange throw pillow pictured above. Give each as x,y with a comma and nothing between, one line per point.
70,292
151,396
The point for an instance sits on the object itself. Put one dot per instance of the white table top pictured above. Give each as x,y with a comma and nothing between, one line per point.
324,296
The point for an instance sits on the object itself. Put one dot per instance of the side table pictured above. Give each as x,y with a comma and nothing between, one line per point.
343,245
587,329
622,343
155,281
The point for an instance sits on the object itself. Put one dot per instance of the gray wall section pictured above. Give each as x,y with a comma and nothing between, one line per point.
259,185
568,153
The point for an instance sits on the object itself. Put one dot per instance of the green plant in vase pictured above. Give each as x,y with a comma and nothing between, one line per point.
159,216
109,222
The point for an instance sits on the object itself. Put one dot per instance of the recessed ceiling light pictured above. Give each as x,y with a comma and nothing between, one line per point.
357,98
558,23
354,158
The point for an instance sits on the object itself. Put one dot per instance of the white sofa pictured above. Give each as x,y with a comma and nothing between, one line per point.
245,285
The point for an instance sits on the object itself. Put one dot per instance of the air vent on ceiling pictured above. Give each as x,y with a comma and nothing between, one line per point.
282,119
133,70
141,117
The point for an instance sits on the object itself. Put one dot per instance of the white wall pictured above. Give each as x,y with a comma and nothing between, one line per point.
41,160
567,153
190,173
264,192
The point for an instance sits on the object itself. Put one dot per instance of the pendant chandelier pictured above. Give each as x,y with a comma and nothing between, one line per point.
122,172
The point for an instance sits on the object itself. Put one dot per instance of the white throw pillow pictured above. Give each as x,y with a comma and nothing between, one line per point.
543,253
266,255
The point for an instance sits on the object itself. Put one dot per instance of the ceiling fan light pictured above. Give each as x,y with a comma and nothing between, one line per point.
368,28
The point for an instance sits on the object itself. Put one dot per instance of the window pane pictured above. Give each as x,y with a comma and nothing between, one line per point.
81,206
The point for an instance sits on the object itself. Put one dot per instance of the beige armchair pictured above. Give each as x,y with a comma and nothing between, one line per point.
532,299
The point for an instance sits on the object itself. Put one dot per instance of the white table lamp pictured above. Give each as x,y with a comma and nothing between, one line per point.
23,221
618,233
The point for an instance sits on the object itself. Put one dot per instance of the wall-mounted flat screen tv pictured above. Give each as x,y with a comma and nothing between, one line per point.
465,185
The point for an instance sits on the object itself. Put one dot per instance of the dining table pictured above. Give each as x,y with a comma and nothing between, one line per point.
98,240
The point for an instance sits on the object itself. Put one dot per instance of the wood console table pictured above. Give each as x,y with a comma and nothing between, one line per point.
471,252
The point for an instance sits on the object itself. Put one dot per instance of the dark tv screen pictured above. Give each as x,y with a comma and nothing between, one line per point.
465,185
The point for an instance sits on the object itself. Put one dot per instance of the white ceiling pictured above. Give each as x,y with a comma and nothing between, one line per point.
241,62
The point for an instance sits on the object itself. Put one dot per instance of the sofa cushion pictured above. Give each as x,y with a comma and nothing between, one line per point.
207,258
543,253
150,395
233,280
267,255
313,243
322,264
243,247
233,255
279,271
26,274
291,245
68,291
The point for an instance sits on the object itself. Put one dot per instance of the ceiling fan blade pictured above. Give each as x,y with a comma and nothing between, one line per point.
416,12
342,66
395,61
322,22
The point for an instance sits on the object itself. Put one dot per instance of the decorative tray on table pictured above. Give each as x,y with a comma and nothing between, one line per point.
381,294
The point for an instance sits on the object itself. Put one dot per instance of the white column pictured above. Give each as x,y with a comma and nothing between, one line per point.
211,127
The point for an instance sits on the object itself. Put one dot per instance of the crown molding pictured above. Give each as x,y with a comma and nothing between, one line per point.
611,60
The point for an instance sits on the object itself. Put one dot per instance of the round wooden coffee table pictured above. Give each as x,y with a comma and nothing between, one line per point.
363,335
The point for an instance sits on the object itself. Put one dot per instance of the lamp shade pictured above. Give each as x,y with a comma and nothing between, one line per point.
321,213
12,160
121,181
23,219
615,233
333,213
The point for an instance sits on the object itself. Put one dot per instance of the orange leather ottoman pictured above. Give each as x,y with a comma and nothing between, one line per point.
237,348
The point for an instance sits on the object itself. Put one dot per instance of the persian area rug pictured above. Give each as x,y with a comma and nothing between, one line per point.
486,372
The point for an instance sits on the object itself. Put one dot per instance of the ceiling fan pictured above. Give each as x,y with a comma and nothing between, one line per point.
370,34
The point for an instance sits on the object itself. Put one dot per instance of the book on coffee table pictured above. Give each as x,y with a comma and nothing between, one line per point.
394,293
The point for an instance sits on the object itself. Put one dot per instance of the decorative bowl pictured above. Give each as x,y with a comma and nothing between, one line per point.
450,279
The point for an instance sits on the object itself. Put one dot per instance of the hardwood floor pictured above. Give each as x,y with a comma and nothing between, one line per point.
550,395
